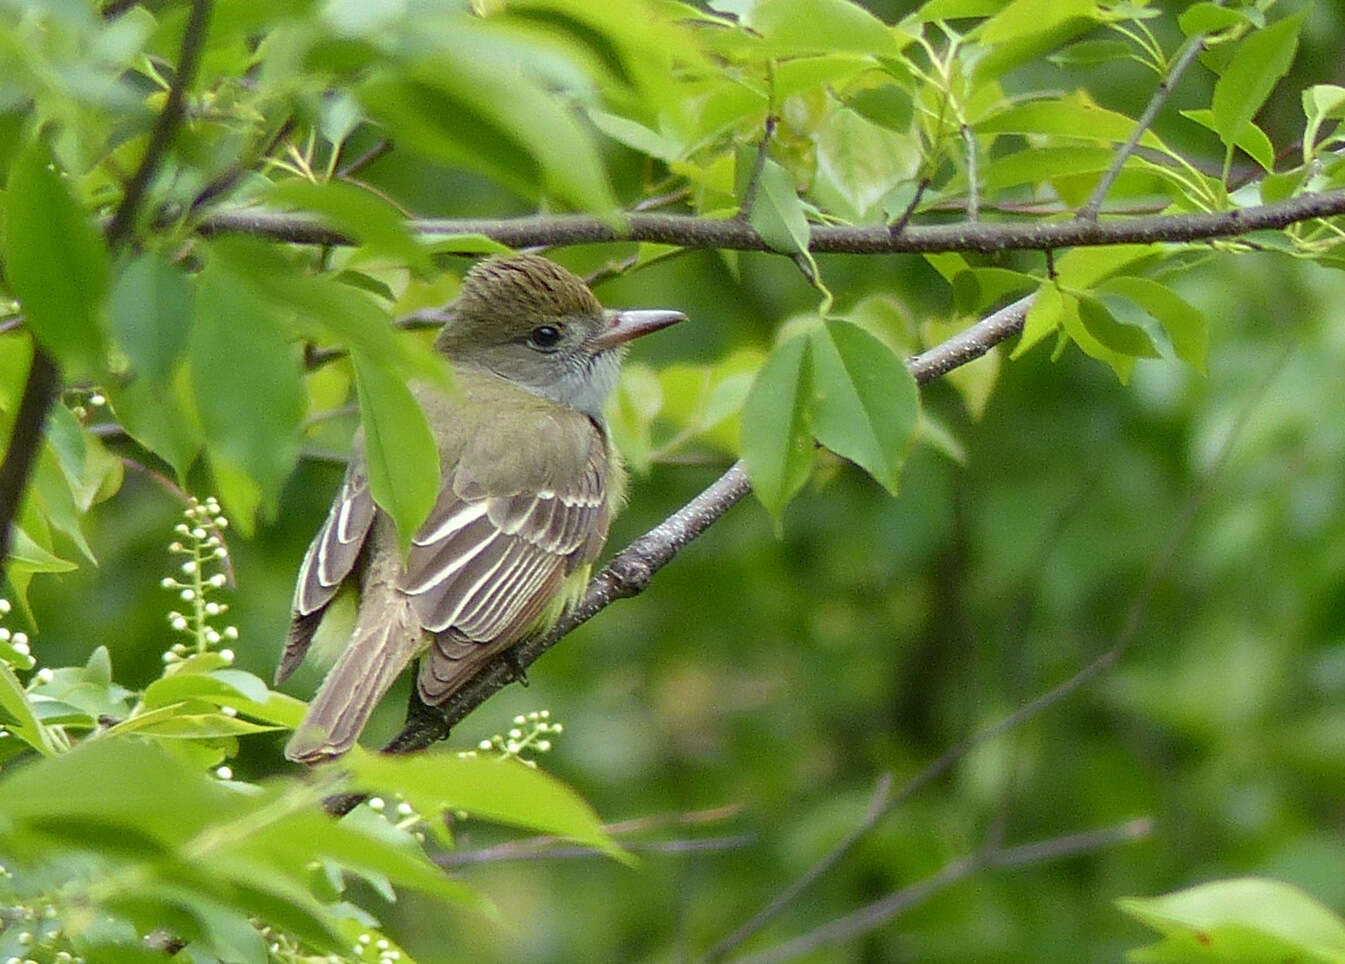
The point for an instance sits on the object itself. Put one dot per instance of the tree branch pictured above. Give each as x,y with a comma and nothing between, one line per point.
165,128
874,915
731,233
872,814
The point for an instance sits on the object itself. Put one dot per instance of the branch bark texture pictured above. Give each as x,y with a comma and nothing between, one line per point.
734,234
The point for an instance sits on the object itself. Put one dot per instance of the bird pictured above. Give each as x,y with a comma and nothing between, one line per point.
530,481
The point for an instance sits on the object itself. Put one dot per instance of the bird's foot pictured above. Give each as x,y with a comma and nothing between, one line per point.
517,672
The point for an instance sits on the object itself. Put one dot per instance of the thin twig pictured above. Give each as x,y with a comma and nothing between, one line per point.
872,814
758,164
690,231
552,850
973,186
166,127
899,225
1188,53
364,160
880,911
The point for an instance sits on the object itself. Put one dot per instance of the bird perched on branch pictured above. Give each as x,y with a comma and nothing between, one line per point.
529,483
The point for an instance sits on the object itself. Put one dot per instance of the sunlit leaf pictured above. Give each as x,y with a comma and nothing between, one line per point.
1240,919
864,404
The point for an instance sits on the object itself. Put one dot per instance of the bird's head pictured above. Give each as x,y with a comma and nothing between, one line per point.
533,322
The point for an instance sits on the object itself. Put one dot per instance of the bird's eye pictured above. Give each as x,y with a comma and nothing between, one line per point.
544,336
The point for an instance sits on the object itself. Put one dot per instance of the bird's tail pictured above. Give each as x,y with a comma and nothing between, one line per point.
385,640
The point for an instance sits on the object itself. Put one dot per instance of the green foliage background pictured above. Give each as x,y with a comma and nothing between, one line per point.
781,669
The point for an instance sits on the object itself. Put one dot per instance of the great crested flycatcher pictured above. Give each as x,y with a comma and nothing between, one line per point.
530,481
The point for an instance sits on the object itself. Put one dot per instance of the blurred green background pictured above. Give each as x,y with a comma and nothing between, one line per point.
782,674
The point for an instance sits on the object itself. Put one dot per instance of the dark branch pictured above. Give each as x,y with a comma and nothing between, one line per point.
872,814
696,232
39,394
874,915
165,128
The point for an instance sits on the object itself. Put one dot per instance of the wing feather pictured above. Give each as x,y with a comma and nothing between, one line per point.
484,565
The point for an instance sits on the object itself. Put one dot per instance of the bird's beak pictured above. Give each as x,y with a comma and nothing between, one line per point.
622,326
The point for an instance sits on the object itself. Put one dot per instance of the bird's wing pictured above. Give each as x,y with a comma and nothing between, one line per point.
483,567
329,561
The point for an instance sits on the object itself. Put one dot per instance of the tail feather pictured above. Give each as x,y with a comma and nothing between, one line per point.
297,641
379,649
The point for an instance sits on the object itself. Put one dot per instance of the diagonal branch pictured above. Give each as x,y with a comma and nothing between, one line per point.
879,912
166,127
732,233
1189,51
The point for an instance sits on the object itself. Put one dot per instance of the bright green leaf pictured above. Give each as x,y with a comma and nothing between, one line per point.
823,26
1259,62
501,790
246,383
864,404
1241,919
399,447
1207,17
1251,139
777,212
1114,334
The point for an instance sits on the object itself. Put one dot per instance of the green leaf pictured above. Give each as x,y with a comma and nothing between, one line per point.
777,441
1078,331
55,259
1024,30
1257,65
475,106
864,403
823,26
1245,919
1043,317
226,687
1207,17
399,447
1072,116
1321,102
163,421
246,383
18,712
505,791
1109,331
151,311
858,163
1251,139
777,211
1185,324
367,218
888,105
